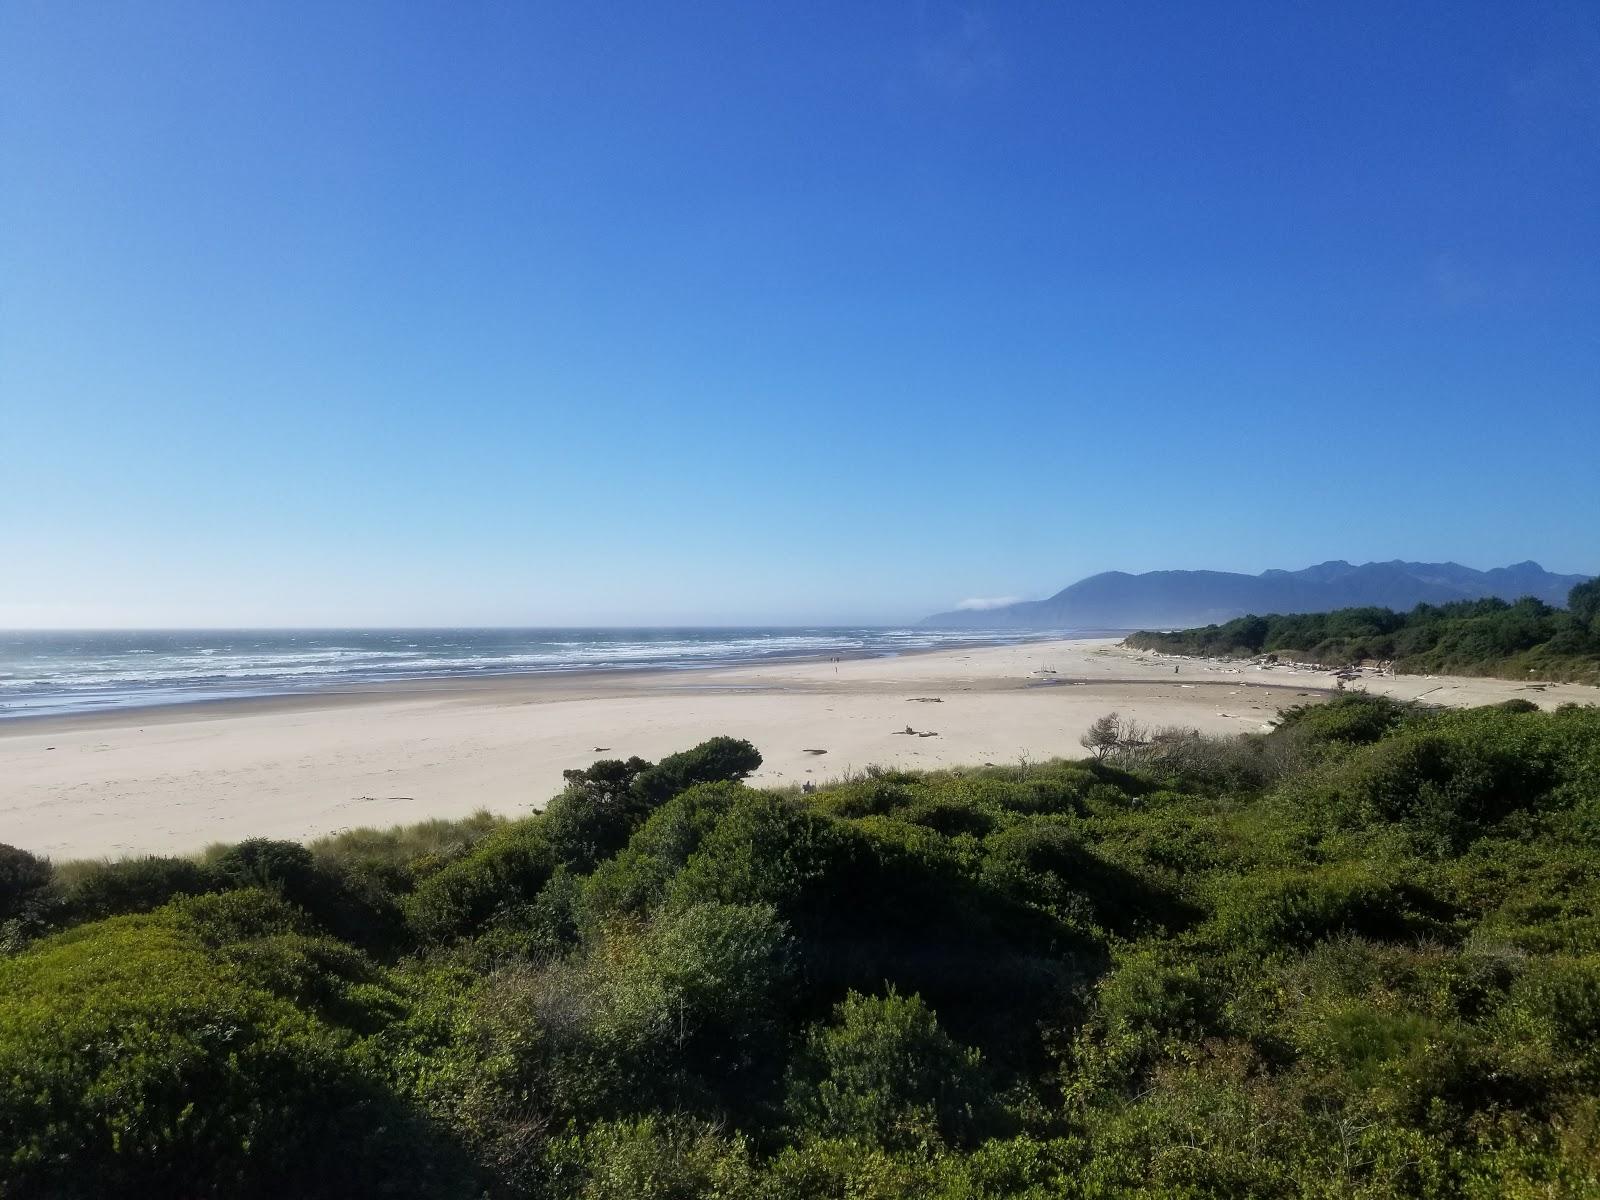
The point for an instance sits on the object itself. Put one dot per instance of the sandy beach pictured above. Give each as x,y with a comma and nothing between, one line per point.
173,780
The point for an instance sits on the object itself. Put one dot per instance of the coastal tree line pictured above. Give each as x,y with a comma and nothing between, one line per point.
1513,640
1356,956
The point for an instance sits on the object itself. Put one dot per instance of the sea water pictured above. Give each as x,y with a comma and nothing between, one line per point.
50,673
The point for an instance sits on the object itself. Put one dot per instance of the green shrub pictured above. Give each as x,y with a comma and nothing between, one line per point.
1450,779
221,918
135,885
680,1012
24,878
766,850
1473,637
1019,1168
653,1159
1270,911
726,970
344,907
284,867
594,815
637,879
1177,845
881,901
1377,978
1044,862
683,1013
1155,1000
319,975
1205,1128
876,795
857,1170
399,847
1516,705
547,927
503,871
1559,1003
138,1064
1152,1008
1355,718
600,808
885,1073
1057,787
719,760
951,817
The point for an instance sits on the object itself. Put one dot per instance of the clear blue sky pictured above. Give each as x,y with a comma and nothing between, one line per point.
525,313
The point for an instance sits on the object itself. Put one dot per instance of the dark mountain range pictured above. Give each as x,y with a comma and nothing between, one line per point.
1177,599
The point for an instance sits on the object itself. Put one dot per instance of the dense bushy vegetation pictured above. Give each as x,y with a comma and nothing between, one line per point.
1357,956
1475,637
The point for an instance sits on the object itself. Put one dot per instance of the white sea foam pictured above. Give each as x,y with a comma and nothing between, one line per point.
55,673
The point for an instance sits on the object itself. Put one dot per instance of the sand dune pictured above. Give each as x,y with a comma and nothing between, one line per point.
298,767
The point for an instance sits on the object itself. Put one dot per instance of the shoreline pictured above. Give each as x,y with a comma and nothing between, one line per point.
175,778
402,687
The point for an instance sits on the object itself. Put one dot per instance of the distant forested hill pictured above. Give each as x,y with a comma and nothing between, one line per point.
1478,637
1167,599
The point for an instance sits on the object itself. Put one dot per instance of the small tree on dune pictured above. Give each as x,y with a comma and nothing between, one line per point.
1104,736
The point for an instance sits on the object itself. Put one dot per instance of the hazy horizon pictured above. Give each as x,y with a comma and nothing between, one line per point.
968,603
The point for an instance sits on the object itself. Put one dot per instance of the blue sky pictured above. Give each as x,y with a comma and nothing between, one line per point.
523,313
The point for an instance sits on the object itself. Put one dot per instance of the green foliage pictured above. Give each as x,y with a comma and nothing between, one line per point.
694,1000
726,971
653,1159
403,851
636,879
764,849
1517,705
1268,912
1472,637
135,885
1150,1004
876,901
683,1013
885,1073
1049,864
339,903
499,876
23,880
284,867
1356,719
719,760
223,918
601,806
1583,602
1358,956
139,1063
594,815
1452,777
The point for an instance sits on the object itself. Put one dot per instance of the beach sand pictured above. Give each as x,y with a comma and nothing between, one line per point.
173,780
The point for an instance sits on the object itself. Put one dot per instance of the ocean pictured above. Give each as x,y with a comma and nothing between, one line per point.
53,673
